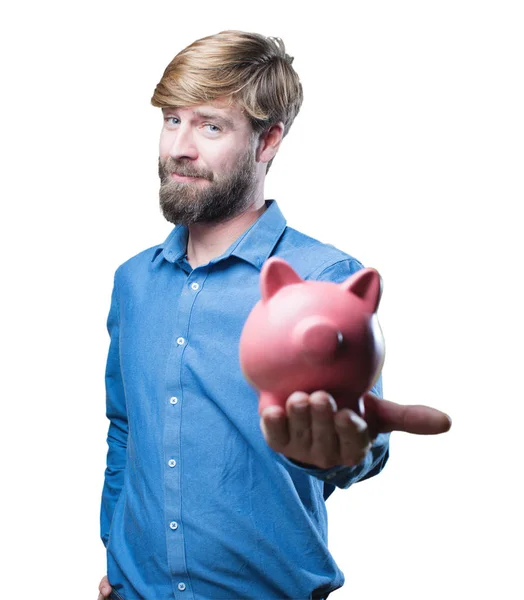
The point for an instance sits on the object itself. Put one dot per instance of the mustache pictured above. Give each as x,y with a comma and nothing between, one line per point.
179,167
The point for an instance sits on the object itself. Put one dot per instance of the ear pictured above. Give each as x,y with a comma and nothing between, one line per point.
276,274
269,142
367,285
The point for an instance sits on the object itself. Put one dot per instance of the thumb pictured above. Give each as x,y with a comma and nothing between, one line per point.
385,416
105,587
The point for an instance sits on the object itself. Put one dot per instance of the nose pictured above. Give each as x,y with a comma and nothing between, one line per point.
183,143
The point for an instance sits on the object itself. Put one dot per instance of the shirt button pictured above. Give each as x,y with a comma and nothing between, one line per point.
173,525
195,286
173,400
180,341
181,586
172,462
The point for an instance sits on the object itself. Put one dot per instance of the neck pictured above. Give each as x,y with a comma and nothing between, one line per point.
209,240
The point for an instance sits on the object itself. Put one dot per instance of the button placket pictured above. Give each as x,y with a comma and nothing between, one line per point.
188,296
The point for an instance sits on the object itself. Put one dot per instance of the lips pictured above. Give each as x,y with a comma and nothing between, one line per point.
184,177
174,174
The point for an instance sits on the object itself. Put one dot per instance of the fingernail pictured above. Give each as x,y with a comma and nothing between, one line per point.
300,405
332,403
298,397
272,412
359,423
319,404
322,398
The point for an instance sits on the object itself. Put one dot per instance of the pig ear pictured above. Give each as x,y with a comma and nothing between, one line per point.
276,273
366,284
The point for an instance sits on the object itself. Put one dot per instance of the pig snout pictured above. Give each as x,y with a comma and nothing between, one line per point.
317,339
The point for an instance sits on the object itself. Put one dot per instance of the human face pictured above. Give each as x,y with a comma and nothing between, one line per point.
207,166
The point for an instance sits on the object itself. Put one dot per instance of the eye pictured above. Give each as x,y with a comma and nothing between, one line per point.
171,121
212,128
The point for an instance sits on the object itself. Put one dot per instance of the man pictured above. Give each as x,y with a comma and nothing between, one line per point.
200,501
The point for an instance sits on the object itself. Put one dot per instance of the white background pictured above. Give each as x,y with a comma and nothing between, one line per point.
408,154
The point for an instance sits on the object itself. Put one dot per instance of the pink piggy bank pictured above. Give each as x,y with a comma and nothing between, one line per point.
313,335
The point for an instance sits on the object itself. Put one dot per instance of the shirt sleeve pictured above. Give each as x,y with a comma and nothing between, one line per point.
117,415
343,476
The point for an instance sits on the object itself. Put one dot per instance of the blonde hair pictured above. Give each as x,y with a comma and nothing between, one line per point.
253,70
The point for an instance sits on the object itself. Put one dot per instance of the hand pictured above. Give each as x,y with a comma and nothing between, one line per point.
311,430
104,588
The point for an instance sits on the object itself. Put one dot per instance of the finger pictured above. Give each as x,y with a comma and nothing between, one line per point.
418,419
354,439
273,423
324,437
299,420
104,587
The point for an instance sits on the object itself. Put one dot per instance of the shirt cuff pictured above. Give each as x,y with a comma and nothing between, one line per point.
323,474
343,476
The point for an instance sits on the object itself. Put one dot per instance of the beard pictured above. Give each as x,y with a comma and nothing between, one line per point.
225,197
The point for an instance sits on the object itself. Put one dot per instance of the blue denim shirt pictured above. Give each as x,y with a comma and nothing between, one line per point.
195,504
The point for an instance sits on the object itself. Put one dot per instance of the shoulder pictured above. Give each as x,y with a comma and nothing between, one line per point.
313,259
140,263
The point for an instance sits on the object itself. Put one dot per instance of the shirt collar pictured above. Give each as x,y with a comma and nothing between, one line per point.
255,245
